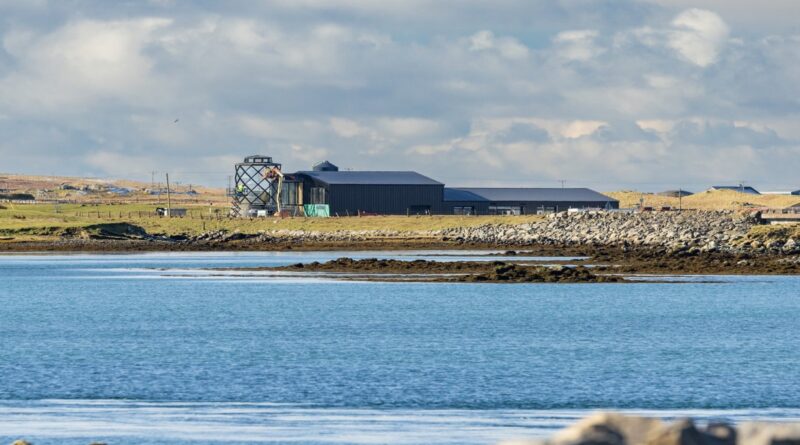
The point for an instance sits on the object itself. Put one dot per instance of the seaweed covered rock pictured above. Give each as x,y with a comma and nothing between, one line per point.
514,273
458,271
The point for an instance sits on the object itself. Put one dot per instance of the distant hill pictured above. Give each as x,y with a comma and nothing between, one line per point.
75,189
708,200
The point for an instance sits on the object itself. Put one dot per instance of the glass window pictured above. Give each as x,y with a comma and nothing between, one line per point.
318,196
505,210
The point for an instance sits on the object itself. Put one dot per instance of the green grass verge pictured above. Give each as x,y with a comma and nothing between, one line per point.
22,221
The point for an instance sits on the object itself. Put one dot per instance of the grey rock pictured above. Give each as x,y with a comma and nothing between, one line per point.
768,434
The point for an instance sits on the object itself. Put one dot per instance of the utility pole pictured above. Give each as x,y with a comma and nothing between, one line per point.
680,199
563,183
153,179
169,200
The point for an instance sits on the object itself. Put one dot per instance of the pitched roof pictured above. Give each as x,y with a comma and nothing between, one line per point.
525,194
370,177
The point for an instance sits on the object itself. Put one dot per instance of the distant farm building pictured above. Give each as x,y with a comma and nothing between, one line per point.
737,188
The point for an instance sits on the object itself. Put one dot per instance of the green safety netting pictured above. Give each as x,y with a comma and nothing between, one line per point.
317,210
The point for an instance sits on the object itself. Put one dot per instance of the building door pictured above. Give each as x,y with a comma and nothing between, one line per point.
419,210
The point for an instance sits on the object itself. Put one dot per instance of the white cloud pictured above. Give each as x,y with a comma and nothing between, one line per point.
578,45
508,47
81,62
428,149
774,15
661,81
481,40
309,154
698,36
404,127
656,125
346,128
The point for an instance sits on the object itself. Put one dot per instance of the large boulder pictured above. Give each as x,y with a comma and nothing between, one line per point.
769,434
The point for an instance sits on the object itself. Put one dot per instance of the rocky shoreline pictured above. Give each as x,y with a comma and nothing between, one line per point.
618,429
722,231
697,242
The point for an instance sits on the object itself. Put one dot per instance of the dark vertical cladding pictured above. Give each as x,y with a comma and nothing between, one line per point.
527,207
424,196
381,199
500,200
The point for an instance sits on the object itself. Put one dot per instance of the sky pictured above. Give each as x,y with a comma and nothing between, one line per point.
607,94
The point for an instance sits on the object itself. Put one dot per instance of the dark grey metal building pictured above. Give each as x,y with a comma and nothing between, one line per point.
375,192
522,201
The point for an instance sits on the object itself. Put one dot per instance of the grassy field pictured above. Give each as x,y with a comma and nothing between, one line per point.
710,200
42,221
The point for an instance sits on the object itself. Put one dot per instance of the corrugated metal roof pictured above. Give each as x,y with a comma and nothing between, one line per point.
461,195
525,194
371,177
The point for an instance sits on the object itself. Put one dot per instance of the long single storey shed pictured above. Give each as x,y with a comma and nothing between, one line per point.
376,192
522,201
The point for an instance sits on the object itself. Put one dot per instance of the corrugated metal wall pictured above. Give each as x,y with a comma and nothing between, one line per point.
529,207
349,199
385,199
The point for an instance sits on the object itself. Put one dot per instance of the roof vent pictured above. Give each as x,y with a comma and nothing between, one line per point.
325,166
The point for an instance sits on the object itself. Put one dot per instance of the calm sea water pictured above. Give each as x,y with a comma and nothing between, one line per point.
151,349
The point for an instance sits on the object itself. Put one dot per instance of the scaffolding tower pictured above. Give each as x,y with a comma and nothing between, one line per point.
257,186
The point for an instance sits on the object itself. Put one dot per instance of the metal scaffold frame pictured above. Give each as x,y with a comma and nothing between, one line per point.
257,186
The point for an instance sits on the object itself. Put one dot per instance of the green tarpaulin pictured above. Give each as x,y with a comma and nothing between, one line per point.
317,210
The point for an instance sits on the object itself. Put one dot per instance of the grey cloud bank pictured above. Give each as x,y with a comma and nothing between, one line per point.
646,94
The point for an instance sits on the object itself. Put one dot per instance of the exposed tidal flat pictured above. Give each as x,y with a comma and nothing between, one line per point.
152,348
